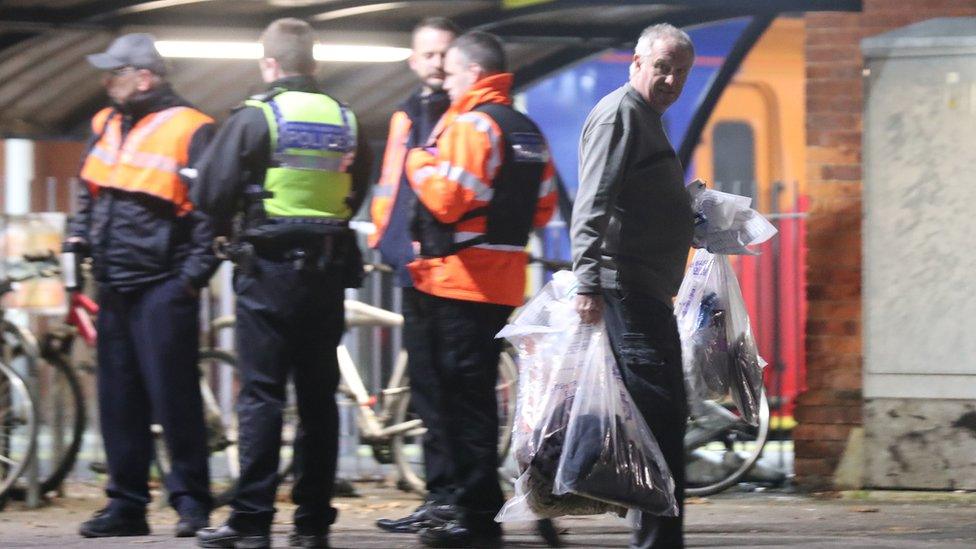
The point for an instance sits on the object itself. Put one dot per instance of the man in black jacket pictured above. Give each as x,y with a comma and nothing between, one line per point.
393,206
152,254
293,161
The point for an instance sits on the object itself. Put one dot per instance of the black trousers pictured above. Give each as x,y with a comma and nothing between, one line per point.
147,372
289,322
426,395
644,336
464,362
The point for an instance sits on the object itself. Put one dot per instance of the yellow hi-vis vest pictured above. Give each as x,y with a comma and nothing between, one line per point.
313,144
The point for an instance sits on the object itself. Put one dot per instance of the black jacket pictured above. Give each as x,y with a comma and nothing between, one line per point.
237,160
136,239
396,246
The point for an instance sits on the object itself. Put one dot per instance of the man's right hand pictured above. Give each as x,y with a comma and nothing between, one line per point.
589,307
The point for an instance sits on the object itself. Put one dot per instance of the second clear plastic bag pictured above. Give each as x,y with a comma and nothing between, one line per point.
718,350
609,453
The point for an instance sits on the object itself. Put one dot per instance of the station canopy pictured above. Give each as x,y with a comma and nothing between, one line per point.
48,90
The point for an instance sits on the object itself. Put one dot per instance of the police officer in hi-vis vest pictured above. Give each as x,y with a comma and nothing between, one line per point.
152,252
292,161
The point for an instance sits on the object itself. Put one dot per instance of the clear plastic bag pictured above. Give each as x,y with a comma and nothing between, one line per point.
718,350
550,347
609,453
724,222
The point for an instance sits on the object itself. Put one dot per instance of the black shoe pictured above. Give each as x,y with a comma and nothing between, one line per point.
453,534
410,524
187,527
547,531
108,523
227,537
308,541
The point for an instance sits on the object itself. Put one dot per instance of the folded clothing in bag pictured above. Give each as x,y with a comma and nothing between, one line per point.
613,468
541,474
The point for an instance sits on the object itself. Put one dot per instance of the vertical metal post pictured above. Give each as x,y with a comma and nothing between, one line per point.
778,366
19,171
51,200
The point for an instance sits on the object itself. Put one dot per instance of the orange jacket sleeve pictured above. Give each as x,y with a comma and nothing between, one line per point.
456,176
547,197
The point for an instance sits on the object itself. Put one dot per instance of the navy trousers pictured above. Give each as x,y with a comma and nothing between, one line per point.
426,396
147,372
644,336
464,363
289,323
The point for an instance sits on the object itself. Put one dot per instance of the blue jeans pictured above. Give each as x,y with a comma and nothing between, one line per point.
644,336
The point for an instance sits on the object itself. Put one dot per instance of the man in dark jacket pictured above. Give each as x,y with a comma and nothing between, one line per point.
293,160
152,254
392,209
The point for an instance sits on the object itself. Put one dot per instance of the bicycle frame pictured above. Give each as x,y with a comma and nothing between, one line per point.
80,311
370,423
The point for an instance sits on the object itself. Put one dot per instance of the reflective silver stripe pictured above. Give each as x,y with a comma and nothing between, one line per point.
139,134
382,190
302,162
471,182
150,161
500,247
423,174
482,124
464,236
461,237
546,187
104,155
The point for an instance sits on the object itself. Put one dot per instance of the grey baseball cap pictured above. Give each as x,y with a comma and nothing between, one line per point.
130,50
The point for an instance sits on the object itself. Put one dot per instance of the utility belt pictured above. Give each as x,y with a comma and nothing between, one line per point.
337,253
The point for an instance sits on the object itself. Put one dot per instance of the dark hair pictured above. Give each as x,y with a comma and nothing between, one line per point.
483,49
439,23
289,41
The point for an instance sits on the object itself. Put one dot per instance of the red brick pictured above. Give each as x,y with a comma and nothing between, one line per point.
842,415
833,343
824,431
834,310
825,448
841,172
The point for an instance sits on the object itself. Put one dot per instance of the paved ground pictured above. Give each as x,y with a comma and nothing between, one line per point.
767,519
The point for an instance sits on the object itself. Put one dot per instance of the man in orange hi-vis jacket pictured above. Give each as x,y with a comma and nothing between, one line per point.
152,253
483,183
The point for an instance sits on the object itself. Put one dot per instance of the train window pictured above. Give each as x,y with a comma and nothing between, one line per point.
734,158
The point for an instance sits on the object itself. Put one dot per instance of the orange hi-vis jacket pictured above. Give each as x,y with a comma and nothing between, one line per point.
457,178
150,159
384,194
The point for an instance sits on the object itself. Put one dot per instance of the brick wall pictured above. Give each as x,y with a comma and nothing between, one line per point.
831,405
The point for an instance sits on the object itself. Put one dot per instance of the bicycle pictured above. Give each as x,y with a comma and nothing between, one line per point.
393,432
61,407
720,447
19,413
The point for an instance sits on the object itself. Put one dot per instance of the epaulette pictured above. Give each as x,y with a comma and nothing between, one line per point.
263,97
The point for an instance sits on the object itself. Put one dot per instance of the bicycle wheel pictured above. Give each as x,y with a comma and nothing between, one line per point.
18,426
222,428
61,423
721,448
408,449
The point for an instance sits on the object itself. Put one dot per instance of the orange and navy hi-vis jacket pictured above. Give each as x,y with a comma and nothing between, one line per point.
150,159
384,195
456,177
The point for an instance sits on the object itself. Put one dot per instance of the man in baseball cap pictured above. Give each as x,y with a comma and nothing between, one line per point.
137,50
152,253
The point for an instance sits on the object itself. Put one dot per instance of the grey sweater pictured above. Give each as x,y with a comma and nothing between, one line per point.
632,220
